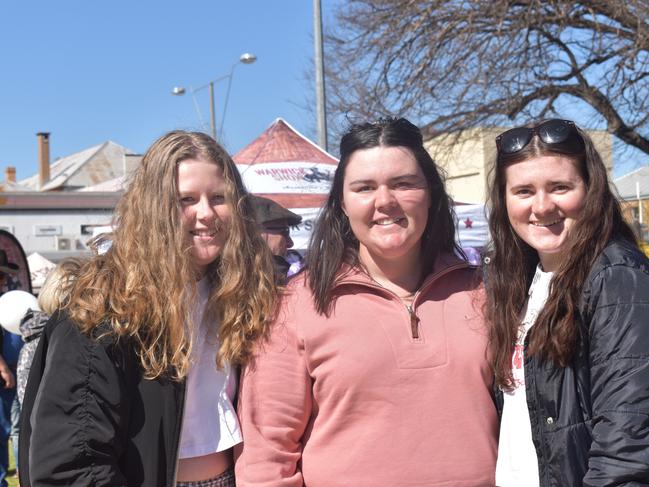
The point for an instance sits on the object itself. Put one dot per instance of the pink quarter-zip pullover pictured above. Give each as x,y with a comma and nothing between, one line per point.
375,394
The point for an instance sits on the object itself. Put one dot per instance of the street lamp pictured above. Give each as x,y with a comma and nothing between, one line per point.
245,58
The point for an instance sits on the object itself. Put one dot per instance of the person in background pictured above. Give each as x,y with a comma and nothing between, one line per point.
568,303
375,372
133,382
52,296
10,345
276,222
8,271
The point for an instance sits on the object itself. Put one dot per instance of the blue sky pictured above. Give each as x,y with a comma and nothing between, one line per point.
90,71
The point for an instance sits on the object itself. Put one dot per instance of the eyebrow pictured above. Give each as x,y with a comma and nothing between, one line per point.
394,179
554,181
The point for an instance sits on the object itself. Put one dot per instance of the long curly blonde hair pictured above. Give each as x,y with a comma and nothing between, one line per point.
144,286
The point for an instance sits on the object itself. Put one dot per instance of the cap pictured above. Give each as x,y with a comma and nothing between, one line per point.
267,210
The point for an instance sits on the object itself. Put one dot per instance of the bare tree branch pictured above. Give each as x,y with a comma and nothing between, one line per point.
452,65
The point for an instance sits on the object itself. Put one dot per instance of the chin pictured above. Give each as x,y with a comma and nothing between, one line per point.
204,259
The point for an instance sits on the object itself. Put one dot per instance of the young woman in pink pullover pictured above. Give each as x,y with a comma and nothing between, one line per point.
375,372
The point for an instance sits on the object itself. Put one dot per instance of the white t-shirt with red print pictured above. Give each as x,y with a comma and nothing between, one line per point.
517,464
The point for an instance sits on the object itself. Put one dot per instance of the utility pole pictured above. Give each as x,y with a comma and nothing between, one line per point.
321,97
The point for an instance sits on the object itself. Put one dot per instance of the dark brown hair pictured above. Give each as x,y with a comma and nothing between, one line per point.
512,261
333,242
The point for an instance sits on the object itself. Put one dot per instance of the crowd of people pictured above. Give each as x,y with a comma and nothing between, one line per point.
195,350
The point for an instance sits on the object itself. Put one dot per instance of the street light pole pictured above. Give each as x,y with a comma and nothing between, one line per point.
321,104
245,58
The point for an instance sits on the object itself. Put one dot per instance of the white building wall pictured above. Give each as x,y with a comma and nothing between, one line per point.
55,234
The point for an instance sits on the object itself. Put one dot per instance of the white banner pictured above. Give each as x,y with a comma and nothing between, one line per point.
301,233
287,177
472,225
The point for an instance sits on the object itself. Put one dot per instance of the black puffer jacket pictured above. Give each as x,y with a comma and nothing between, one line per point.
90,418
590,421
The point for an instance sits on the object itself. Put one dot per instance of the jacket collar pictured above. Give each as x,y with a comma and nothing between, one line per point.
356,275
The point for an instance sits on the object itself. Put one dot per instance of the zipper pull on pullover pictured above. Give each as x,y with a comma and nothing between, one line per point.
414,322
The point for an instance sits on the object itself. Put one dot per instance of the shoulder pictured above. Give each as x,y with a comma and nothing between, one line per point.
619,277
456,274
621,253
100,346
619,262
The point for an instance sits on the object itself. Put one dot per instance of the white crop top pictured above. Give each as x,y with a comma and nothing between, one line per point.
210,421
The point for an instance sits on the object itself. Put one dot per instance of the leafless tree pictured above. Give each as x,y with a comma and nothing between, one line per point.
456,64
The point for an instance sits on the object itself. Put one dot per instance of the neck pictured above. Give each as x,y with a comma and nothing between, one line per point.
401,276
550,262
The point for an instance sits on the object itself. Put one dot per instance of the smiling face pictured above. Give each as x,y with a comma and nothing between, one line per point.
544,198
205,214
386,199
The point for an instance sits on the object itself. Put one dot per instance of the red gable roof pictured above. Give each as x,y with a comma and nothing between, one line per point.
282,143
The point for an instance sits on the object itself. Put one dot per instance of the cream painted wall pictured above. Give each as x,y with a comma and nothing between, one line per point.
466,159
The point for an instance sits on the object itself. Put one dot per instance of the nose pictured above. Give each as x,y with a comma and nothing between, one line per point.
289,242
542,203
205,210
384,197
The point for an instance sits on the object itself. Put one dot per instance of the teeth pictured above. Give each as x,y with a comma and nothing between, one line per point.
388,221
548,224
203,233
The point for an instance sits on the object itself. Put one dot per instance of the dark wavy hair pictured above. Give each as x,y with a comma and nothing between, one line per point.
513,262
333,242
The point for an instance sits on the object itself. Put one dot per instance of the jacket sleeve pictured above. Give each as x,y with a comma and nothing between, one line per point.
275,401
77,438
619,358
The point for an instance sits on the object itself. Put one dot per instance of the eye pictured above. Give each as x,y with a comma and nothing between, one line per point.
186,200
522,192
404,185
217,199
561,188
362,189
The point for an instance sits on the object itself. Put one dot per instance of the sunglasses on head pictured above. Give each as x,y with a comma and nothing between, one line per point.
551,132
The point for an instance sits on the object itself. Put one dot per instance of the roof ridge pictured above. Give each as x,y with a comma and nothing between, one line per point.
631,173
306,139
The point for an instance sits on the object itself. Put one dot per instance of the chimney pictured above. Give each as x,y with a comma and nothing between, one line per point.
43,158
10,174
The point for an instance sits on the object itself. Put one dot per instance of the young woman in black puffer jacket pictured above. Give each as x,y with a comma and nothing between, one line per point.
568,304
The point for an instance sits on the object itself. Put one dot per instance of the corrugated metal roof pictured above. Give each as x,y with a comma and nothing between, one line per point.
628,185
65,168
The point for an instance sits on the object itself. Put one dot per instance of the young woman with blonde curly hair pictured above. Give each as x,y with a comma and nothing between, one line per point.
134,382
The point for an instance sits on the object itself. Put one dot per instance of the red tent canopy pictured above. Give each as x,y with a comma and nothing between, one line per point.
282,164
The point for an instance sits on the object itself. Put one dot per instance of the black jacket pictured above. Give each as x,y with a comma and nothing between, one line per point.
590,420
89,417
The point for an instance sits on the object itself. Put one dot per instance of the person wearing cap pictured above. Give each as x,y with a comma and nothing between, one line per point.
275,222
10,345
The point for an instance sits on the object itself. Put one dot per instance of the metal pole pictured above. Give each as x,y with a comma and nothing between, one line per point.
212,111
319,76
637,193
227,97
